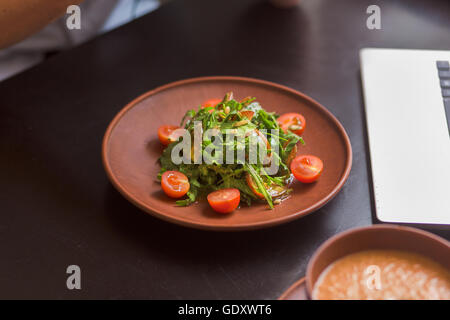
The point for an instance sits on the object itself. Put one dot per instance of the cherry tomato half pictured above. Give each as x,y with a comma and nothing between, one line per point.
224,200
253,186
167,135
294,122
273,190
261,137
175,184
247,113
211,103
307,168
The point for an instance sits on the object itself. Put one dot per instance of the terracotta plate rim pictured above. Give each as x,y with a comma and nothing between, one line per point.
205,226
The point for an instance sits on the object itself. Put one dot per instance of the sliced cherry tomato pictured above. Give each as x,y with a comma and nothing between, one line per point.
307,168
294,122
247,113
262,138
274,190
224,200
260,135
175,184
167,135
211,103
253,186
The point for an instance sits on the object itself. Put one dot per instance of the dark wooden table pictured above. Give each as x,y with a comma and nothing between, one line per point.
58,208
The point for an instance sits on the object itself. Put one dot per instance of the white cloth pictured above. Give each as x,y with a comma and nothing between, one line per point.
96,16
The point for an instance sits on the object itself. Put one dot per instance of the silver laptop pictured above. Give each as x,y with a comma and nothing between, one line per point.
407,103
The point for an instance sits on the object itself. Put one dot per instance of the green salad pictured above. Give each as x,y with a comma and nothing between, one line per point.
248,120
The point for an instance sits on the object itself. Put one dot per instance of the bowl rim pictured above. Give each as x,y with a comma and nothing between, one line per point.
396,228
205,226
286,294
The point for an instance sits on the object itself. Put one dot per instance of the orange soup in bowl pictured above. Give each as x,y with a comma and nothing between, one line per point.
383,274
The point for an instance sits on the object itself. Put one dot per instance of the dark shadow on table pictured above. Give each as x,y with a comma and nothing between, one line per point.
255,27
187,245
366,147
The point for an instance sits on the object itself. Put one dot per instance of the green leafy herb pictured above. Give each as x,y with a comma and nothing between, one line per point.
205,178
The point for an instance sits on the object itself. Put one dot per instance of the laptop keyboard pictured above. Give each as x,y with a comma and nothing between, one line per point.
444,77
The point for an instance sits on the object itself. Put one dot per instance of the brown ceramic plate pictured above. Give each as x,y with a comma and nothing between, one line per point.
296,292
131,149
